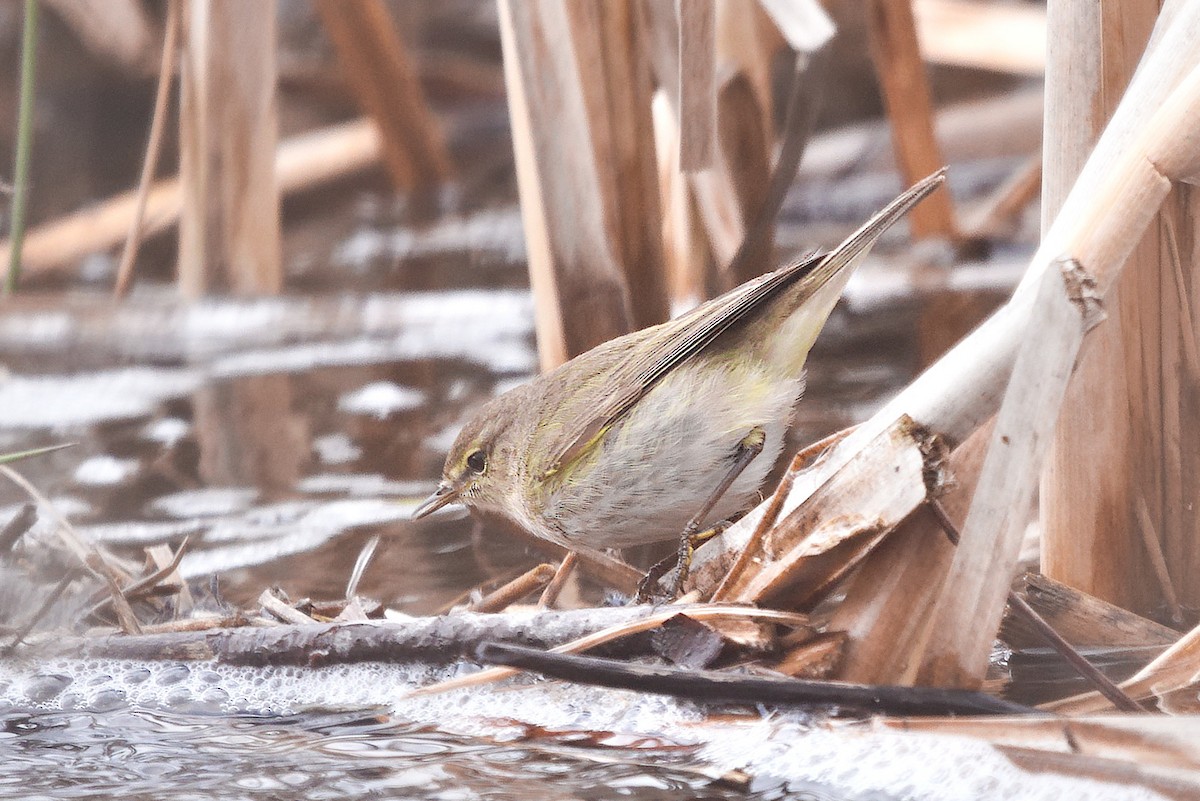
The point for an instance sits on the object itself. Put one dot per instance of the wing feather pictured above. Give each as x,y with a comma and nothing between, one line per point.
680,339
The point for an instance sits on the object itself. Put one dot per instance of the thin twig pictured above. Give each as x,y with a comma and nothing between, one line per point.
46,606
1102,683
530,581
23,160
153,147
804,101
66,532
713,686
15,528
60,588
555,587
1154,551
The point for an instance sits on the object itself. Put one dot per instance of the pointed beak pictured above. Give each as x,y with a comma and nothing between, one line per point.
445,495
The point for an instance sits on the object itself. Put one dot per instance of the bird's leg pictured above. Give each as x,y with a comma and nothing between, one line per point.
750,447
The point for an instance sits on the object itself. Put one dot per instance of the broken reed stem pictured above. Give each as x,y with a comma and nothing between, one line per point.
1155,133
530,581
133,239
273,605
143,586
1021,607
23,159
125,616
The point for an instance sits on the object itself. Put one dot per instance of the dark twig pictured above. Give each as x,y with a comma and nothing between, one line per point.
716,687
15,528
1103,684
46,606
804,101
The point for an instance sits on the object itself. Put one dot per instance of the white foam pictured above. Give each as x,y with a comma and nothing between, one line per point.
857,760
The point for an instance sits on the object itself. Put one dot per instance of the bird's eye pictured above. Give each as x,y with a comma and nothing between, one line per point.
477,461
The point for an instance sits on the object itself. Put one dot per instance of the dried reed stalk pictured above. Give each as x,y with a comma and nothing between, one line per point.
697,93
382,77
229,233
618,84
301,162
906,96
579,290
1154,134
1003,37
1126,437
158,121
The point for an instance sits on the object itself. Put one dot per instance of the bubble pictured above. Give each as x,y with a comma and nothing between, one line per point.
45,687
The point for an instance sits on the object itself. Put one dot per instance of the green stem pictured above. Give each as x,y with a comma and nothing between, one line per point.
24,142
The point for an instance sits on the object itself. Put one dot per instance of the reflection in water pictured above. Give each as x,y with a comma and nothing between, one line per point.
248,434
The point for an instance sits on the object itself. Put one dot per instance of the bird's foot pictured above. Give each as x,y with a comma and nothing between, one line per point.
650,589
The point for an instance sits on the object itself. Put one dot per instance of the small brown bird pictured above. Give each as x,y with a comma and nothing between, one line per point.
622,445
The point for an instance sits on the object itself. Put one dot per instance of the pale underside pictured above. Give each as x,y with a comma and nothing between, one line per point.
678,454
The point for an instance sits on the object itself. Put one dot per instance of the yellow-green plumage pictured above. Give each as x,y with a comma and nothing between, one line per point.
621,445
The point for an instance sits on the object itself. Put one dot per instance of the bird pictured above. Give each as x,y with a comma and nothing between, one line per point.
665,432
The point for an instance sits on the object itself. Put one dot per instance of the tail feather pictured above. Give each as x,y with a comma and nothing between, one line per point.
859,243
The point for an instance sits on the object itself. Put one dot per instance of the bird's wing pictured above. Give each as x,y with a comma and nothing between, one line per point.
686,336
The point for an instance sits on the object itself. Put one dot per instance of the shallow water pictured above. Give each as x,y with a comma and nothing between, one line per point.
148,755
279,437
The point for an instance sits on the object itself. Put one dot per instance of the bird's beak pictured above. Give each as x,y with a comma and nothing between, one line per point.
446,494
